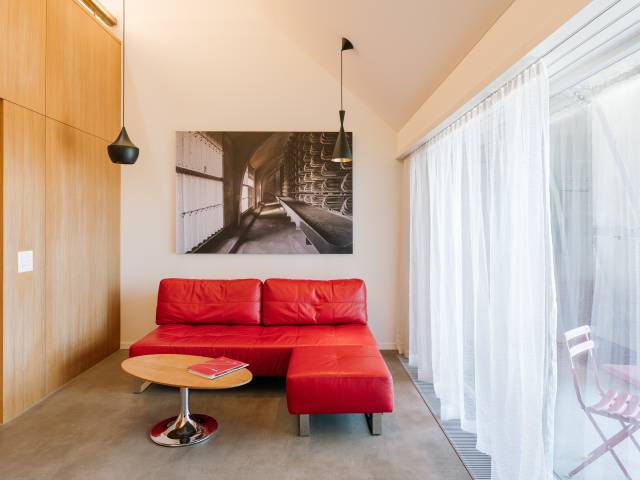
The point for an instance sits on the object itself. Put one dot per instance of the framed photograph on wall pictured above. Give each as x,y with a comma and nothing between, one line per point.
262,193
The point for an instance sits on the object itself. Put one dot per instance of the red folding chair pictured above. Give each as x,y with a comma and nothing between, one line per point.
617,405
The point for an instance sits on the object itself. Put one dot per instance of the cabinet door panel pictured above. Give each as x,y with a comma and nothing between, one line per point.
23,199
83,71
83,205
22,52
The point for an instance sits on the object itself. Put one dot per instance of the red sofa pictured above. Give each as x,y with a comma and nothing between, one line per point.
313,332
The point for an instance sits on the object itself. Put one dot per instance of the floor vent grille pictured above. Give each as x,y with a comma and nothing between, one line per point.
477,463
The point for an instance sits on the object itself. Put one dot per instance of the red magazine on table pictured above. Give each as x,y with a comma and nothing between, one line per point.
216,367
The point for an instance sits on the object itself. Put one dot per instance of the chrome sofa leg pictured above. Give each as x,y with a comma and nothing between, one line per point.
374,420
140,386
304,427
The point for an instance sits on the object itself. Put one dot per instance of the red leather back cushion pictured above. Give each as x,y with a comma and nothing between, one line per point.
230,302
314,302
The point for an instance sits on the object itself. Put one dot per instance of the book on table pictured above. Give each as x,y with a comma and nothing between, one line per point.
216,367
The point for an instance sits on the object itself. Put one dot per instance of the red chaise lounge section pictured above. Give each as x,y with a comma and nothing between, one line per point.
314,332
340,379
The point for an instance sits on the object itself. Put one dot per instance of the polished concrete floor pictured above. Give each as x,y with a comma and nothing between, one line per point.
94,428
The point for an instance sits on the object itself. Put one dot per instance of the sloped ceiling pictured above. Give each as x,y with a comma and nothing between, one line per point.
403,48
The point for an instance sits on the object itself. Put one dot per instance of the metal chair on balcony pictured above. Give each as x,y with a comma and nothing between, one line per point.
617,405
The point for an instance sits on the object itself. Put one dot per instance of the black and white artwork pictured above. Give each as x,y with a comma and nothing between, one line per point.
262,192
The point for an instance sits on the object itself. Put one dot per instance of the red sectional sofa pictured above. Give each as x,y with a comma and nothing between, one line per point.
314,332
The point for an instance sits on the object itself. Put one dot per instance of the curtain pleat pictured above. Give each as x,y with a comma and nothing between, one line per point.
482,315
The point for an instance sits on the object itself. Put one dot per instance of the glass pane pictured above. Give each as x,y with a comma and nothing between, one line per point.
595,155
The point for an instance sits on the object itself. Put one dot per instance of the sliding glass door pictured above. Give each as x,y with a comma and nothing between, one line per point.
525,261
595,202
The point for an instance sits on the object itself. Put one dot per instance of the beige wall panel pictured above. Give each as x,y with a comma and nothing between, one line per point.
83,71
521,28
22,52
82,231
23,166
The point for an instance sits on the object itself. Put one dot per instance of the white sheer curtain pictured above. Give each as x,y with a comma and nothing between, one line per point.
595,147
616,210
596,208
482,290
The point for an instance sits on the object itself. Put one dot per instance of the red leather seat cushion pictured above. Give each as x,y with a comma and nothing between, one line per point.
266,349
314,302
338,379
229,302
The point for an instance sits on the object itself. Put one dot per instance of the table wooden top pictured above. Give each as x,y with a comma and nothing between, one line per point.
171,370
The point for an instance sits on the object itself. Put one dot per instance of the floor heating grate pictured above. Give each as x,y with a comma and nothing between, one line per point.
477,463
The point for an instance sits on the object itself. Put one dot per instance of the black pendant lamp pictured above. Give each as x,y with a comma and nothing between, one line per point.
122,150
342,151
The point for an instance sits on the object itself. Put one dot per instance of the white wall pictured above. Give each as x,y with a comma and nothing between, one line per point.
219,65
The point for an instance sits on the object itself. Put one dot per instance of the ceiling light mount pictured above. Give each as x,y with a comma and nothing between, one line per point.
346,44
342,150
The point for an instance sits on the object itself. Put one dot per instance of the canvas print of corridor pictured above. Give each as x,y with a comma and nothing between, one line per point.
262,192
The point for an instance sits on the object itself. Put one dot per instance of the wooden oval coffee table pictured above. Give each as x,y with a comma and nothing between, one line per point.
171,370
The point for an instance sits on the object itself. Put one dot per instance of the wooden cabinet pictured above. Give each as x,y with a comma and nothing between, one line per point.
82,249
60,197
22,52
23,224
83,71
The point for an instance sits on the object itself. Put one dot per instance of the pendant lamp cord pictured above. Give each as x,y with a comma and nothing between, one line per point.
342,167
124,21
341,51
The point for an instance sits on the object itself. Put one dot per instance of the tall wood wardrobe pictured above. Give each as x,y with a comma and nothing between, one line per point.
59,108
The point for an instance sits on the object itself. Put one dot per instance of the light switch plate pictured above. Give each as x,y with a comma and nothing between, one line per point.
25,261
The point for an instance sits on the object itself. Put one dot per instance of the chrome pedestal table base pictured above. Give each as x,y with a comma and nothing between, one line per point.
185,429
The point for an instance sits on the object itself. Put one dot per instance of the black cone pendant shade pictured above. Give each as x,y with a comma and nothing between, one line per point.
342,150
122,150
